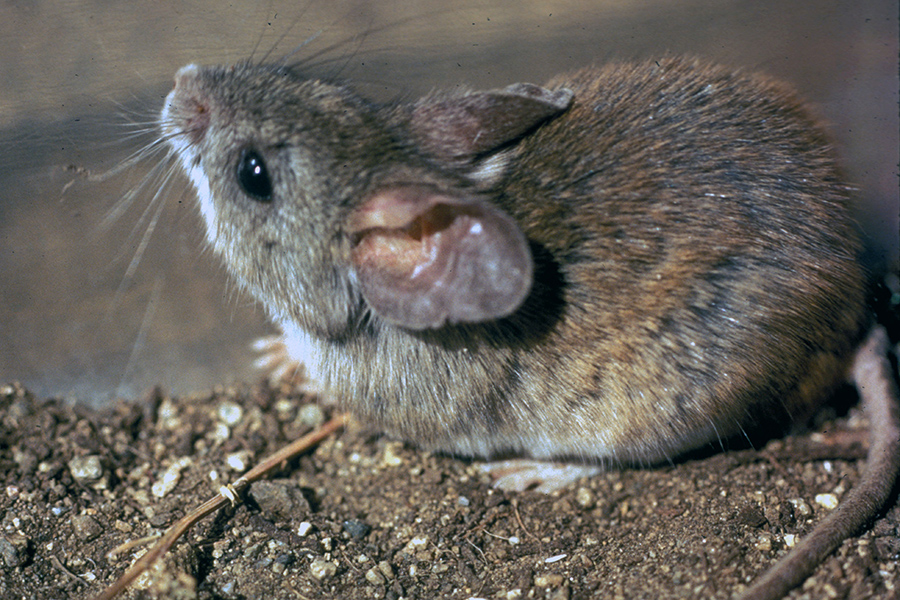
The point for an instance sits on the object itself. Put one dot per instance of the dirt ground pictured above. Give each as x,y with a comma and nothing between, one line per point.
362,516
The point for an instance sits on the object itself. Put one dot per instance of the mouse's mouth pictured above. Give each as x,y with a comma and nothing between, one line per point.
184,119
183,140
172,131
187,154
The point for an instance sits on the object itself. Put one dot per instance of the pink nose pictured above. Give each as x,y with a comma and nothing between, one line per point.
188,105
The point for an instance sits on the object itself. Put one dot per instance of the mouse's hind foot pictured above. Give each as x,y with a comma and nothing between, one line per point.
522,474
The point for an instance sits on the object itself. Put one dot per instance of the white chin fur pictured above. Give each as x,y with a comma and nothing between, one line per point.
302,348
204,194
193,169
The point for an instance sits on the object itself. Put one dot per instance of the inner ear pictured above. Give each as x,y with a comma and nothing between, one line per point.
424,258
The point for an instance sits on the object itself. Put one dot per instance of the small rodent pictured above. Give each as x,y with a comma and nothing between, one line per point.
619,266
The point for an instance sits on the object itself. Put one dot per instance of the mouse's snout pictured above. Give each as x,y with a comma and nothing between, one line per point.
187,107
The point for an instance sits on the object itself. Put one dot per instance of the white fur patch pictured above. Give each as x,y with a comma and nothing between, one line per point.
490,170
304,349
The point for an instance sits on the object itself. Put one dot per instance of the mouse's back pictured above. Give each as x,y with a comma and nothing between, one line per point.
703,236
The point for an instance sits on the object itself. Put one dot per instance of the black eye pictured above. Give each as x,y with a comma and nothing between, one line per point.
253,176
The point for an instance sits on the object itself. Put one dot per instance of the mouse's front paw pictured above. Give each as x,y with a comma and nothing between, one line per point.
276,362
522,474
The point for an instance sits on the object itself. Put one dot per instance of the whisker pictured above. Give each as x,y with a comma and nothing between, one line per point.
158,200
141,337
150,149
310,60
283,62
361,40
124,203
151,124
281,38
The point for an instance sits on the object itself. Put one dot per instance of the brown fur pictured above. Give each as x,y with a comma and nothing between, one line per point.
694,256
686,233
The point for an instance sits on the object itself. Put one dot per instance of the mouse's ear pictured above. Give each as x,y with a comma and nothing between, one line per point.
463,127
424,258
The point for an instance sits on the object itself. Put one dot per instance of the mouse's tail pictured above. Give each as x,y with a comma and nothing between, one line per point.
878,391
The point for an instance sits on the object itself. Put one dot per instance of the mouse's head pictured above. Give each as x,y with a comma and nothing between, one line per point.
326,206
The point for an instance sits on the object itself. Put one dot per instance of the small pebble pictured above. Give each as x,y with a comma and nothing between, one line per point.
584,497
356,529
322,569
374,577
238,461
170,477
14,550
311,415
230,413
279,501
828,501
549,580
417,544
390,457
801,507
86,527
86,468
386,569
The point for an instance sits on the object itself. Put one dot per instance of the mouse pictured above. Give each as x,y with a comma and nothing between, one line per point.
618,266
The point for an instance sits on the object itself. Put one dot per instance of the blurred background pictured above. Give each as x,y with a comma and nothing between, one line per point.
101,298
